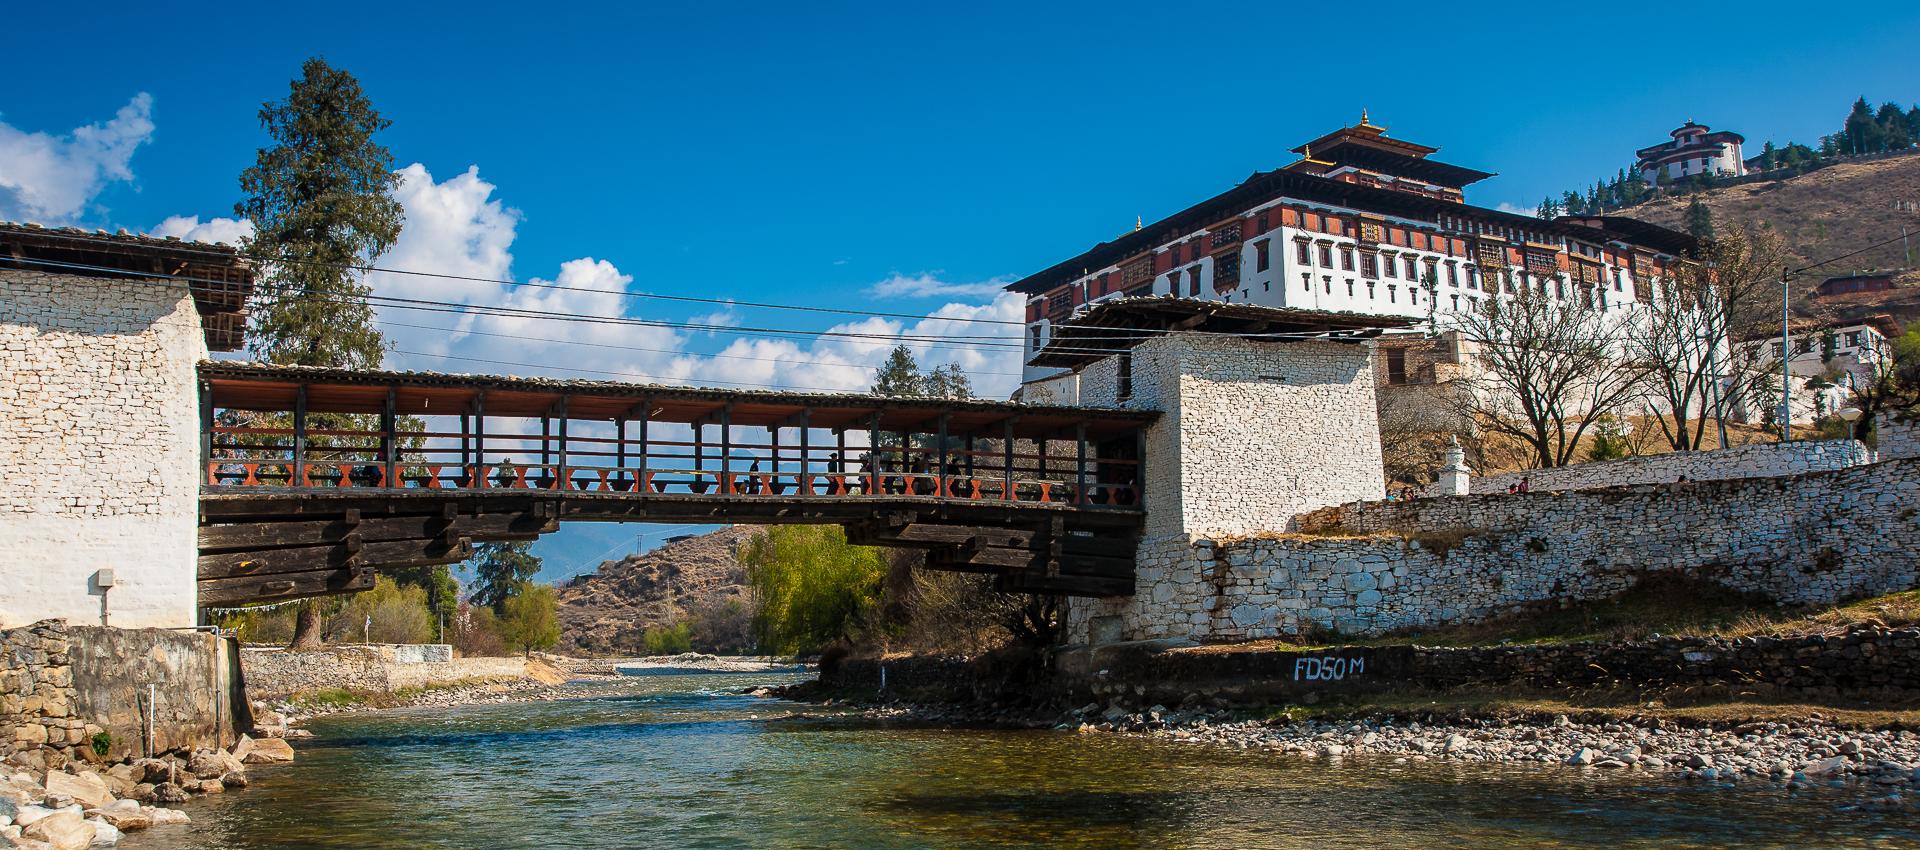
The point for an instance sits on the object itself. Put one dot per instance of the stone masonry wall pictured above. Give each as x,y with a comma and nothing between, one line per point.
98,450
1898,440
277,673
1369,568
1760,460
63,684
1252,432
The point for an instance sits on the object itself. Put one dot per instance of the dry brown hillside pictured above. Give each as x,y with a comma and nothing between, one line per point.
1829,212
1824,214
608,612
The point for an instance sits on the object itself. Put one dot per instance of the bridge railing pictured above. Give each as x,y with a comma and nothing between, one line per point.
914,449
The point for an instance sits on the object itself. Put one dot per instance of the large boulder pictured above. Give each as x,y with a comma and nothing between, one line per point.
125,815
213,764
64,830
87,788
269,751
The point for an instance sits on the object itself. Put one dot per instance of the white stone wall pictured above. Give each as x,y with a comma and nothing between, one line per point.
1371,568
1760,460
1253,432
1897,440
99,449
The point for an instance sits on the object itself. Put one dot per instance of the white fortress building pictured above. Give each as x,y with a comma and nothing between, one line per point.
1695,150
1361,223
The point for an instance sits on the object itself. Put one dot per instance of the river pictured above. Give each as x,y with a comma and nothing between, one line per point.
686,762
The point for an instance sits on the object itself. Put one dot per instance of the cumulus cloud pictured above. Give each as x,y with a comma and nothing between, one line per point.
54,178
929,285
227,231
457,226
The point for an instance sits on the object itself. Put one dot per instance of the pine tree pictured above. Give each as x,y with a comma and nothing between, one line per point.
1699,220
320,200
499,571
1893,127
1913,123
1861,134
1767,156
900,375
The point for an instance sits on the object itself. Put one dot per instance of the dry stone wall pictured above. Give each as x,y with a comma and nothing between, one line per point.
1375,567
98,450
1760,460
63,685
1898,439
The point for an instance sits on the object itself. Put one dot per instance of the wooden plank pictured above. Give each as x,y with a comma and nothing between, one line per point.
1028,582
250,590
347,553
253,536
1024,559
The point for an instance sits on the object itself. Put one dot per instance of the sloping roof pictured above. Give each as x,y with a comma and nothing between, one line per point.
264,386
1114,325
1606,228
219,278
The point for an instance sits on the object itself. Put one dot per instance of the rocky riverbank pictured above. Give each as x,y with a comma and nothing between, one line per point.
48,802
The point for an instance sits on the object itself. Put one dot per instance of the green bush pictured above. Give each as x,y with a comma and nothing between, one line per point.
530,620
102,743
389,613
669,640
811,587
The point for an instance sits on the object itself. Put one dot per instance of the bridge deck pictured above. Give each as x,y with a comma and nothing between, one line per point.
315,478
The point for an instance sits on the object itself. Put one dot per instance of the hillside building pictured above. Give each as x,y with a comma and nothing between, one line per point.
1827,363
1361,223
1695,149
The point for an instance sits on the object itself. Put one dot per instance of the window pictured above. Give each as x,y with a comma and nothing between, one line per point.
1370,292
1036,337
1123,383
1346,259
1456,303
1391,266
1369,265
1260,256
1473,277
1853,339
1193,281
1413,269
1306,281
1262,227
1433,270
1303,254
1396,365
1326,256
1327,281
1453,275
1805,345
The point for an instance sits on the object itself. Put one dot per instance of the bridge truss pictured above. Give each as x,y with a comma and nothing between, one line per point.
315,479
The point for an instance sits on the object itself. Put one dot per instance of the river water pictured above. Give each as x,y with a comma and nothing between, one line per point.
686,762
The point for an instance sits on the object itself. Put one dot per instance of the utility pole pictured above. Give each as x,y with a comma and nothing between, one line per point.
1786,356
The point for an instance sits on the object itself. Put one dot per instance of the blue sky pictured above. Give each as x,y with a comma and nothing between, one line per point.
900,157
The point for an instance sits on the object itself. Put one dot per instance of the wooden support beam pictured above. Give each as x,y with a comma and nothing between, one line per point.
351,551
251,590
251,536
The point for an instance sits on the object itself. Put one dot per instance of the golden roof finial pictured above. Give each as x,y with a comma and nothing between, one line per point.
1363,116
1136,224
1309,151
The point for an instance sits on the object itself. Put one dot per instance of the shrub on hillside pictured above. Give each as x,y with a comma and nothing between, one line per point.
811,587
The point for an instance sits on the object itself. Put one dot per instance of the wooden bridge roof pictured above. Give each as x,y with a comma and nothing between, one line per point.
260,386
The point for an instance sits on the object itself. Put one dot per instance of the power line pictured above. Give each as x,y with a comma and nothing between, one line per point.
680,352
725,302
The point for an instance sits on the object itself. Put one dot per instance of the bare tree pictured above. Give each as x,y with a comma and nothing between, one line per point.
1682,333
1547,369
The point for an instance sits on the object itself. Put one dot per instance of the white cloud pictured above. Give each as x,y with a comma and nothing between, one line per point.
928,285
53,178
228,231
458,227
1517,209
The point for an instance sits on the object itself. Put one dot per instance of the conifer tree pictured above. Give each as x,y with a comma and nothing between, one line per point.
320,200
1699,220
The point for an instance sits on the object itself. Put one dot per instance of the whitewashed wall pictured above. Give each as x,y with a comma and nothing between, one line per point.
99,447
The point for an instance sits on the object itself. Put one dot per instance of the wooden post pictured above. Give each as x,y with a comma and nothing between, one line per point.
1080,463
466,460
619,445
646,414
299,476
388,442
546,431
565,479
875,464
726,449
1140,467
206,431
1006,449
940,458
479,441
806,425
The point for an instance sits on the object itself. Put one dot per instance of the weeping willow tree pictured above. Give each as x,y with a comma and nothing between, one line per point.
811,587
320,198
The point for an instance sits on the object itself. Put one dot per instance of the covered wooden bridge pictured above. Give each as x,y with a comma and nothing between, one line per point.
314,479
